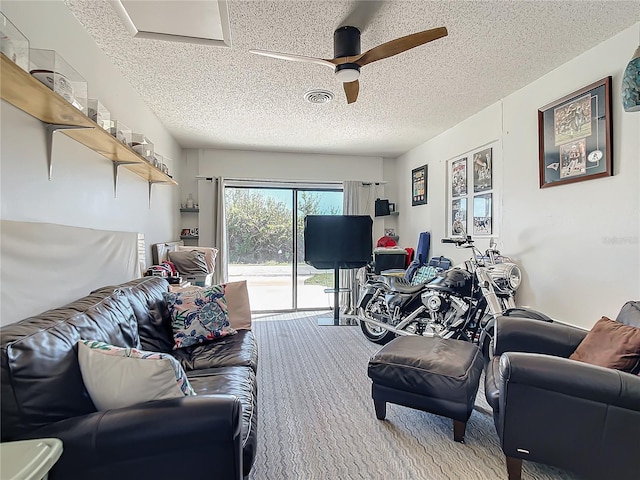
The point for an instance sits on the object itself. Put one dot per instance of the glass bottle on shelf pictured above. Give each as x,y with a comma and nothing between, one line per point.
190,201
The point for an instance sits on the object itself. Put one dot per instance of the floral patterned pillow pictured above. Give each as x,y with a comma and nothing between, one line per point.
198,316
117,377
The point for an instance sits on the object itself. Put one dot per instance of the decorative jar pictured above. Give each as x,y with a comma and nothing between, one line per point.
99,113
50,68
13,44
120,131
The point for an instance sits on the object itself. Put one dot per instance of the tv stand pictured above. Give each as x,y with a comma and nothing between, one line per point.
336,320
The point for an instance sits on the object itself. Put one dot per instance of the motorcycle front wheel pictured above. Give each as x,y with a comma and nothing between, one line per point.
376,334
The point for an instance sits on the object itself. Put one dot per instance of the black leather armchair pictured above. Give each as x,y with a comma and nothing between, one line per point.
562,412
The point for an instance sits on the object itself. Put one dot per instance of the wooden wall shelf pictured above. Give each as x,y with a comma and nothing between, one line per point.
189,210
23,91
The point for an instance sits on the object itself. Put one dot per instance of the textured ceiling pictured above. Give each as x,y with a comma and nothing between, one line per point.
211,97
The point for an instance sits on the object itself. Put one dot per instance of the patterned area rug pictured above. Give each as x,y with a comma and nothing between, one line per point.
316,416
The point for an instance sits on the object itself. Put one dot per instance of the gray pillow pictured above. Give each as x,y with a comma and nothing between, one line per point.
189,263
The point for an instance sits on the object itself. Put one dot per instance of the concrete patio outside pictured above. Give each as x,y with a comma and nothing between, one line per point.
270,286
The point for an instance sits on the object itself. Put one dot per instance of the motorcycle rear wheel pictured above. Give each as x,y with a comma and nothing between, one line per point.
376,334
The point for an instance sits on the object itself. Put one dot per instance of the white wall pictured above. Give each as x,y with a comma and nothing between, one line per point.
242,164
578,244
81,191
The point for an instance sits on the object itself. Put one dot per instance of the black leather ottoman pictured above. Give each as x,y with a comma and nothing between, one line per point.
432,374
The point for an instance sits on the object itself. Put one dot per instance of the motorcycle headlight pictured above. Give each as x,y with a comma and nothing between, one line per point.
506,275
515,277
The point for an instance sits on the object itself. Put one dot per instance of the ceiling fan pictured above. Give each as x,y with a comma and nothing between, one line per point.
348,60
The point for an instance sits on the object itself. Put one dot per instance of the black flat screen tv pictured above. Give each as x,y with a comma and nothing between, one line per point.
338,241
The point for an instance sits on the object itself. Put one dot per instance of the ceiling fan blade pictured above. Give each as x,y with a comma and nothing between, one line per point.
361,14
351,89
294,58
400,45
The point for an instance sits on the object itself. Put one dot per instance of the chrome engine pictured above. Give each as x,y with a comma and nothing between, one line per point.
446,310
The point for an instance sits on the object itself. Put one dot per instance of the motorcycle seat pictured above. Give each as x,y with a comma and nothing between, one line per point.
399,284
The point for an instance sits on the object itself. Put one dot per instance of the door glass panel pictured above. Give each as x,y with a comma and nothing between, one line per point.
260,239
311,282
260,229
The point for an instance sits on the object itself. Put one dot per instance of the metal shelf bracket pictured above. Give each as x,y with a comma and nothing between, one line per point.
151,183
51,129
116,165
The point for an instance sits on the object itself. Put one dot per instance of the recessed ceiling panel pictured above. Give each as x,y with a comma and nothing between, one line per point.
193,21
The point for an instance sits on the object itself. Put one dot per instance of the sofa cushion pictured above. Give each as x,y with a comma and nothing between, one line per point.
118,377
41,378
154,322
240,349
198,316
611,344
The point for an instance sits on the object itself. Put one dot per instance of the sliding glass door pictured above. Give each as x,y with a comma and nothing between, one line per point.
266,245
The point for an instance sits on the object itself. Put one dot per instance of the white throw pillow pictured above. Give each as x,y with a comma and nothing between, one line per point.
118,377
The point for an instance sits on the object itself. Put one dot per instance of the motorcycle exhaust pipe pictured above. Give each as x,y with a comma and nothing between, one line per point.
386,326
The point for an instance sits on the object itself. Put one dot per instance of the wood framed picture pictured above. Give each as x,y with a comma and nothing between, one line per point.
419,186
575,135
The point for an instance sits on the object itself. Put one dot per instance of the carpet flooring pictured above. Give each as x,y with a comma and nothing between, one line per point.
316,418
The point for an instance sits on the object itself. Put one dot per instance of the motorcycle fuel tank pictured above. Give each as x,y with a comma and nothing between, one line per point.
455,281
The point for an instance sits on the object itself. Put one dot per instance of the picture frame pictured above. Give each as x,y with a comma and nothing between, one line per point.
459,177
483,214
458,217
575,136
483,170
419,186
185,232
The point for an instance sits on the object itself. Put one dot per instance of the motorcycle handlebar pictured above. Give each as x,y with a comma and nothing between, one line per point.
458,241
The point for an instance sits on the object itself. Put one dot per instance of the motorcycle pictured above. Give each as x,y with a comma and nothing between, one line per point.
461,303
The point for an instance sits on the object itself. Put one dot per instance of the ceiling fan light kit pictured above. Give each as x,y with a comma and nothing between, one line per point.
348,72
347,59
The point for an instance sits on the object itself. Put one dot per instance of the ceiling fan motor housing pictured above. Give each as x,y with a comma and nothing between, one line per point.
346,42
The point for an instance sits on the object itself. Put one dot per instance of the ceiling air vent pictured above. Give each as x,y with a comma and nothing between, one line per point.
319,96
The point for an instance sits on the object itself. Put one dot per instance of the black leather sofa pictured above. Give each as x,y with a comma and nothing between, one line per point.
553,410
210,435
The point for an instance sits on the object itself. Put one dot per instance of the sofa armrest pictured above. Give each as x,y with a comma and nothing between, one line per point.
514,334
158,439
569,377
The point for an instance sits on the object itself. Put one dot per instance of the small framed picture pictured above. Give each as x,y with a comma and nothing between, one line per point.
419,186
482,170
185,232
482,214
459,217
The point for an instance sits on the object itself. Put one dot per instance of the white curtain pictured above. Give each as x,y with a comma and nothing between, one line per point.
351,205
220,233
212,223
